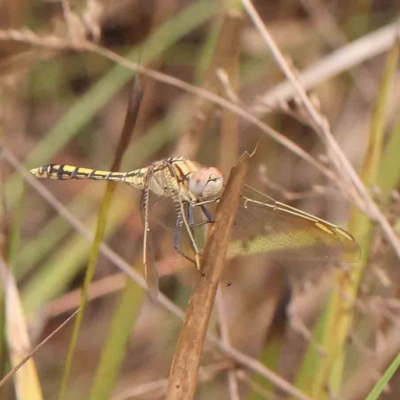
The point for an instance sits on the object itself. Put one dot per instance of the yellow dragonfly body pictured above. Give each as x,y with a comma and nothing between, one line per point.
262,225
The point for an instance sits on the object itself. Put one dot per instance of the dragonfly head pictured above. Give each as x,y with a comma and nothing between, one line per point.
206,183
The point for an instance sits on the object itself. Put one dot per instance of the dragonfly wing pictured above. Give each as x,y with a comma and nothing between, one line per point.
151,272
264,226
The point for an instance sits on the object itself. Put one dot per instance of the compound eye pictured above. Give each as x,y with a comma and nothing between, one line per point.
206,183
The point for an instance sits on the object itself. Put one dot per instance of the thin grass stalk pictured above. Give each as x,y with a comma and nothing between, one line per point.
380,386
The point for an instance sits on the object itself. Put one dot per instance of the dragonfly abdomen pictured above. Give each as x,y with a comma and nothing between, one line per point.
64,172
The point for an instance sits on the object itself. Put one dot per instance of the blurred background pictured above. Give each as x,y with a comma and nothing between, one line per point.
63,103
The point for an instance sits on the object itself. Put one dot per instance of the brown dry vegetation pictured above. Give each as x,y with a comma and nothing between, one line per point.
214,85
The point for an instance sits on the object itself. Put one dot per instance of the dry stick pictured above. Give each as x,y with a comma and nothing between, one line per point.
162,300
184,371
322,128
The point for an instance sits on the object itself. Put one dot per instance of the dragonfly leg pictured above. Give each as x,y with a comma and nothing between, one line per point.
207,214
191,218
177,234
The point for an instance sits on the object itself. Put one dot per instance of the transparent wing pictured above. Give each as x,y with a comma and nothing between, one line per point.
264,226
151,271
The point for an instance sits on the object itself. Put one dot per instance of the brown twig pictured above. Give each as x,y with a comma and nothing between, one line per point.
183,377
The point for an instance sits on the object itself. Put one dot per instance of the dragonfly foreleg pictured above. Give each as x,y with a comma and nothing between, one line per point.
177,235
207,214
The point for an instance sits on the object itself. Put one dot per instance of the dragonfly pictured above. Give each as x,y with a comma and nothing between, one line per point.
186,193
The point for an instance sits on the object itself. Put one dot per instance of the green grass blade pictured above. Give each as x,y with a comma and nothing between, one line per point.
382,383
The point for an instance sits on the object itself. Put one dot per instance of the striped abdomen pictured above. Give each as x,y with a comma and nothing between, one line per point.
64,172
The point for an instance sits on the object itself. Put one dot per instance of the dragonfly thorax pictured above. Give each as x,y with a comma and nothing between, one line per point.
205,183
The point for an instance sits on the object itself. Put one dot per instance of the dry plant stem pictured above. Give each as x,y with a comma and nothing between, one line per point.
184,371
343,166
122,265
